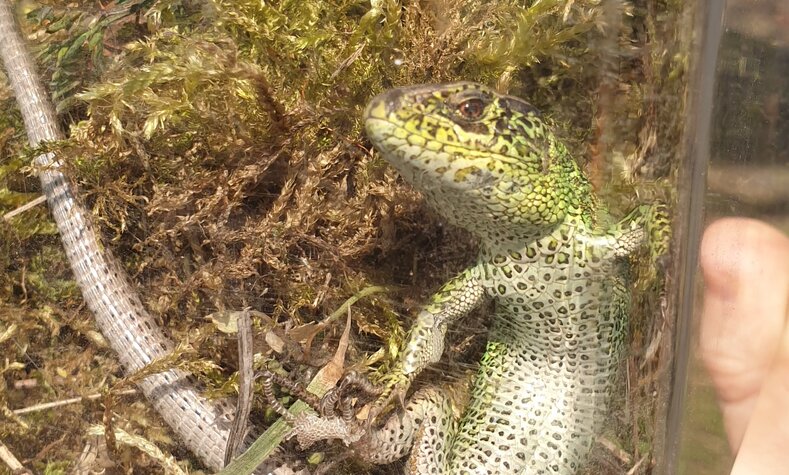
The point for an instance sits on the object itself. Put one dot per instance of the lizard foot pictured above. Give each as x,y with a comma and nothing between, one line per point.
309,427
339,399
394,388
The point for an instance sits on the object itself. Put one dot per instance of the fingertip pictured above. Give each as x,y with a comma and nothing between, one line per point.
734,251
745,264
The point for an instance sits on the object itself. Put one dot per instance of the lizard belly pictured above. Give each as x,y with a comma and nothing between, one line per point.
543,385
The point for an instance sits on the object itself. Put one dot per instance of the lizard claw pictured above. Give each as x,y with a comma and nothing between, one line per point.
333,397
395,389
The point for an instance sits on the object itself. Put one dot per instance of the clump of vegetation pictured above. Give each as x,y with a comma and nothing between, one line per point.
218,144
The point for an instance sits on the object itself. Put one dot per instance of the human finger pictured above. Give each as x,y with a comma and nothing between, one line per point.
746,275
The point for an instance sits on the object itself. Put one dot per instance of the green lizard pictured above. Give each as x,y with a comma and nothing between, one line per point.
552,260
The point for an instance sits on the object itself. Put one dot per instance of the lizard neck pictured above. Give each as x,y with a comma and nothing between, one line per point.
516,206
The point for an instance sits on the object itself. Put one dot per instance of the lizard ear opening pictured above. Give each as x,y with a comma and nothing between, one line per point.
517,104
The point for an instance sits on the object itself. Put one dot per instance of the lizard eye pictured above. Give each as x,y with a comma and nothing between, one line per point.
471,109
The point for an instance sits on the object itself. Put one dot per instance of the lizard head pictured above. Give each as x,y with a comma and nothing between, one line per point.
487,162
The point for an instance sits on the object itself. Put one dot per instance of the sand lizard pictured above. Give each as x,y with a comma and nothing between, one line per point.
551,258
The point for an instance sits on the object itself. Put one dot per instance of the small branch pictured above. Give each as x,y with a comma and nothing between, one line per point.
12,462
638,464
343,309
624,457
245,380
24,207
65,402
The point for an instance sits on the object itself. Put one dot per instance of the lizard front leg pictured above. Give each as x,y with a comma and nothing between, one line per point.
427,422
425,342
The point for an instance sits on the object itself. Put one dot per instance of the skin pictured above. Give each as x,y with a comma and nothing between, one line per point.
745,339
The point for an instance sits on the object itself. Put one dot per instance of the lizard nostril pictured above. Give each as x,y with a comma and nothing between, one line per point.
393,100
384,104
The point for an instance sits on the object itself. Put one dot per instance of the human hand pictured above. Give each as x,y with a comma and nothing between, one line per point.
745,339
